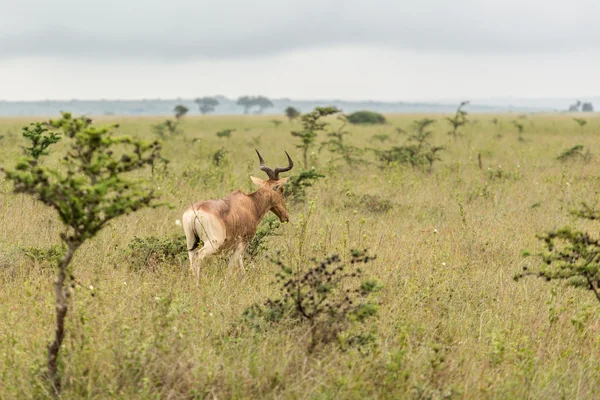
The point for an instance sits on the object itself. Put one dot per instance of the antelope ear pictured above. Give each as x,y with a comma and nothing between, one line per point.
257,181
280,183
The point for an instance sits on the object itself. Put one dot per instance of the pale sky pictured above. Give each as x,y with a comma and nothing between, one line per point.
390,50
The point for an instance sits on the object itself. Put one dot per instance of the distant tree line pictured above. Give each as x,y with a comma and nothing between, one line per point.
583,107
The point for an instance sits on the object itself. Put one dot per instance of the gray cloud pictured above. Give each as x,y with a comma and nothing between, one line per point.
225,29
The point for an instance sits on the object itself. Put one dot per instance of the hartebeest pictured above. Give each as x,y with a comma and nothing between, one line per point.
230,223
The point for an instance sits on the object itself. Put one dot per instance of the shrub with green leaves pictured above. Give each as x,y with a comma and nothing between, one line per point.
167,128
180,111
338,146
312,124
328,298
292,113
574,153
148,252
41,138
366,118
267,228
418,153
458,120
570,255
297,184
88,191
225,133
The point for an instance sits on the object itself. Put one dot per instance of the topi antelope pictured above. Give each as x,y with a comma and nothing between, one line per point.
230,223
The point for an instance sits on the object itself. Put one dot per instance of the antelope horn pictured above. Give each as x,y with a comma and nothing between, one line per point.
279,170
270,173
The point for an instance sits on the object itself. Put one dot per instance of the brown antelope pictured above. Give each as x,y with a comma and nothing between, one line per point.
229,224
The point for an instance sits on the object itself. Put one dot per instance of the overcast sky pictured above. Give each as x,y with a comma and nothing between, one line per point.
310,49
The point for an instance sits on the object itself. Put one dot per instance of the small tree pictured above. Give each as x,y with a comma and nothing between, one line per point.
587,107
575,107
337,145
418,152
180,110
262,103
167,128
580,121
292,113
570,255
245,101
207,104
521,128
225,133
88,192
312,124
459,119
41,138
329,297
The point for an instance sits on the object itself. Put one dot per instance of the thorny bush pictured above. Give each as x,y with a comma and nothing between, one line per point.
328,298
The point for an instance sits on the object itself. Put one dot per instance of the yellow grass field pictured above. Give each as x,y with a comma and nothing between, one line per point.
452,322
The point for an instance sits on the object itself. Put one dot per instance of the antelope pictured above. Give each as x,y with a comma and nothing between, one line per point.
230,223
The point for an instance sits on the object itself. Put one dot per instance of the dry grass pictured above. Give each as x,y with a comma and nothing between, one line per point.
452,322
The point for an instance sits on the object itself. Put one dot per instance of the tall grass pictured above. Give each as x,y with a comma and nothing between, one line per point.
451,323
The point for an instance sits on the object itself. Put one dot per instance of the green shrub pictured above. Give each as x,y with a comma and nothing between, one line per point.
327,298
151,251
268,227
366,118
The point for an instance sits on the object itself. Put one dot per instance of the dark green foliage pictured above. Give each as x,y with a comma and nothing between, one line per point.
207,104
458,120
336,145
366,118
574,152
276,122
225,133
580,121
570,255
328,297
311,126
180,110
297,184
167,128
219,157
51,255
292,113
587,107
89,190
41,138
149,252
419,153
268,227
520,128
249,102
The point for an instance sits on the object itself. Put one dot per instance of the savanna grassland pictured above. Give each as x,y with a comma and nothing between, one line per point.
451,322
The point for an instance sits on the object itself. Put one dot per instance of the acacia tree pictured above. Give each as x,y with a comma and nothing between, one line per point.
262,103
207,104
88,191
312,124
180,110
459,119
254,101
246,102
292,113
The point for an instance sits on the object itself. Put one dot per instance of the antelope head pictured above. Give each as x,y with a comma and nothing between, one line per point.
272,189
